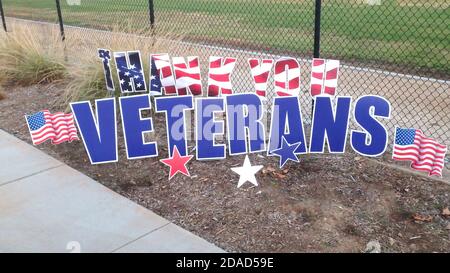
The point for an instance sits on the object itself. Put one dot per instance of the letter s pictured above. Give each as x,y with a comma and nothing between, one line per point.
372,140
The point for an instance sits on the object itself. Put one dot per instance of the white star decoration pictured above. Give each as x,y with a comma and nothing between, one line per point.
247,172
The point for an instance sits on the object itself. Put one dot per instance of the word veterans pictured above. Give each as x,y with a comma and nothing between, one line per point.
244,130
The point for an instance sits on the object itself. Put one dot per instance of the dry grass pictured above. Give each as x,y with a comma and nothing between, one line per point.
32,54
86,75
28,58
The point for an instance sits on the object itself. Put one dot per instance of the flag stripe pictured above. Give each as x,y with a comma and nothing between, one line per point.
219,81
324,77
287,77
260,71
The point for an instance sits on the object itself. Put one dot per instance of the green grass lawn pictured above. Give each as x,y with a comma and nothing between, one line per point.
409,36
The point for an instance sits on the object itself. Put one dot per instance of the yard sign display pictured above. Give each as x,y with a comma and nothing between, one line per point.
174,88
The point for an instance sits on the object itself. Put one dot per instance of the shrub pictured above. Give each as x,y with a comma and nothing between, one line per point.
28,57
86,76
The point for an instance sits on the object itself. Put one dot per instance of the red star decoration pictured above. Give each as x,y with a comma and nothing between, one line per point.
177,163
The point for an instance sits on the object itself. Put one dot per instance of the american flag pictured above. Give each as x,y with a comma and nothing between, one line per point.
58,127
260,71
219,75
324,77
187,76
287,77
425,154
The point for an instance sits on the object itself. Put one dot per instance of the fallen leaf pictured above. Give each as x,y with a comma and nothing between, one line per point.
279,175
268,170
422,218
446,212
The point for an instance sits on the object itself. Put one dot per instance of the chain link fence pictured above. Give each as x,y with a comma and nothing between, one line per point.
398,49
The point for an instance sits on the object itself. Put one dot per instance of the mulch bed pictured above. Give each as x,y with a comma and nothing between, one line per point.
326,203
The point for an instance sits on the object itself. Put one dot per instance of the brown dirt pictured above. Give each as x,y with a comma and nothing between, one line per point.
326,203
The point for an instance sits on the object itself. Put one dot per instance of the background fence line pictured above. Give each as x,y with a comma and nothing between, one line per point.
394,48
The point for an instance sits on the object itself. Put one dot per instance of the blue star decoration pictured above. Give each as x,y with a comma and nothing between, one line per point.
286,152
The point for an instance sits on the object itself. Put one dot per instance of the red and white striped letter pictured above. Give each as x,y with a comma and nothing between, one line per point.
324,77
287,77
187,75
162,63
260,73
219,75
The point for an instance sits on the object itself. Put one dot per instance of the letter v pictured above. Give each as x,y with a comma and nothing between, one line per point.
99,133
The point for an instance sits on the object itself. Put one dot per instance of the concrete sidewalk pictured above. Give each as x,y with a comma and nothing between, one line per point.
46,206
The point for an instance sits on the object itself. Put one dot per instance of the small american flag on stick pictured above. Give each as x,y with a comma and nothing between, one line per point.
425,154
58,127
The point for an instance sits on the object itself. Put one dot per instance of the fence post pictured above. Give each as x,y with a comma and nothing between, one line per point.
60,20
3,15
317,15
316,53
151,11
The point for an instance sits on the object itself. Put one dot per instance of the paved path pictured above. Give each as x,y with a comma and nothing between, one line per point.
46,206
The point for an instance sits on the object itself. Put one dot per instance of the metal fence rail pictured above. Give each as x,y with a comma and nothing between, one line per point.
395,48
